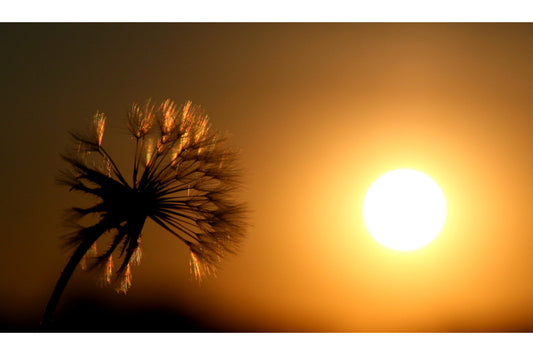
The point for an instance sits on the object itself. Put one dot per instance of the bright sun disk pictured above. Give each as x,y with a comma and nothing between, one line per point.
404,209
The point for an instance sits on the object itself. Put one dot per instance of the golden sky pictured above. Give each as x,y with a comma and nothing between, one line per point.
320,111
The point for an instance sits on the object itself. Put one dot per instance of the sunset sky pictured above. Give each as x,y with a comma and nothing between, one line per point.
319,112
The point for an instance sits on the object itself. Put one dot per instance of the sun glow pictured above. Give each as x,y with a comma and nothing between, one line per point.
404,209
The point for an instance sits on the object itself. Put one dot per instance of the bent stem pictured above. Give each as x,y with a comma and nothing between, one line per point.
63,280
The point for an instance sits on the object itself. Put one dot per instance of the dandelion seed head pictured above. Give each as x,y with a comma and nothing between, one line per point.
185,186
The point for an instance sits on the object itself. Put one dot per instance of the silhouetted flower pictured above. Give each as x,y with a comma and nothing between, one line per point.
183,179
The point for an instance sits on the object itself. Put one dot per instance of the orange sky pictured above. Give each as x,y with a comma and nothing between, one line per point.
320,111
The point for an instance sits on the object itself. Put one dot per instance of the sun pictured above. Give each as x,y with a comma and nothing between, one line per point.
404,209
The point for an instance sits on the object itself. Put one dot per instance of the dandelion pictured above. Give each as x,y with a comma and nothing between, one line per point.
183,179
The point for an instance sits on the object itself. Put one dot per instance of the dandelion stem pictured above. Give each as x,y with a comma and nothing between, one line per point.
93,233
63,280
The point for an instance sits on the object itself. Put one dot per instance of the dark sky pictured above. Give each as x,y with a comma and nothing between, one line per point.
319,111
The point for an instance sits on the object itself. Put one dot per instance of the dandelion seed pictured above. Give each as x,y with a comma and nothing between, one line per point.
199,265
184,141
125,284
83,263
140,119
99,124
195,266
149,151
137,255
108,269
93,250
160,146
174,157
108,168
186,109
201,130
168,109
